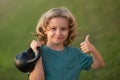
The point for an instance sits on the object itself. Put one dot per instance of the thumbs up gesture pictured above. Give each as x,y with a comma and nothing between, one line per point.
86,46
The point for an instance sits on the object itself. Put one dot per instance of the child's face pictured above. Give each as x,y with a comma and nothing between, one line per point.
57,30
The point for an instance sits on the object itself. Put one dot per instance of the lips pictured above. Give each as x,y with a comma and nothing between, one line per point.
58,37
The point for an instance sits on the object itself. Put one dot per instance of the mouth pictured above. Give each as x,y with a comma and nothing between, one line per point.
58,38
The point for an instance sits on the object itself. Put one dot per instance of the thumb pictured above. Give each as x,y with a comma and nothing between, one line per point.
87,38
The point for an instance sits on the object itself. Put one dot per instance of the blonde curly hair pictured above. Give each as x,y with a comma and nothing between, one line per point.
52,13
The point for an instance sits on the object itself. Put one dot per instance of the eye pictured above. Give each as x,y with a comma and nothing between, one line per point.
64,28
52,28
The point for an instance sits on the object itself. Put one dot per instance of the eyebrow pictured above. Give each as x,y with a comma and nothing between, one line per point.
56,26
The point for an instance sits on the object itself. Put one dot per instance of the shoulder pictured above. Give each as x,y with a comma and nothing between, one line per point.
74,50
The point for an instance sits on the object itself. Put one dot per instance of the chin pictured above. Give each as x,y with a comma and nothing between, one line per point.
58,42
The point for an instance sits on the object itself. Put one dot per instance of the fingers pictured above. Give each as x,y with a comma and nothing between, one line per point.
34,44
84,47
87,38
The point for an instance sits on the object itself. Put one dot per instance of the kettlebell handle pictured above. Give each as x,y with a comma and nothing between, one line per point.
37,55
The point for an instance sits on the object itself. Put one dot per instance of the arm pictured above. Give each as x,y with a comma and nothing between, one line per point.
38,72
87,47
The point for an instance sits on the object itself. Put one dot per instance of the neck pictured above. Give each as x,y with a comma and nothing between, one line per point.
57,47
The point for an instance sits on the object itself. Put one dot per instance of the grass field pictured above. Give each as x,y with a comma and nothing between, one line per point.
99,18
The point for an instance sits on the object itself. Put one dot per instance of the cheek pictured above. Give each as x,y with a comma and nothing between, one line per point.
66,33
49,34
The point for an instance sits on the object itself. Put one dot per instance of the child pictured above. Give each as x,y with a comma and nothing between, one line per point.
56,30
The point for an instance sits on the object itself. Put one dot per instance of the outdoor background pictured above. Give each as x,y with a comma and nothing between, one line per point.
99,18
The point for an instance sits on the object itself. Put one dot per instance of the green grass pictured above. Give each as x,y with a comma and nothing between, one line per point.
99,18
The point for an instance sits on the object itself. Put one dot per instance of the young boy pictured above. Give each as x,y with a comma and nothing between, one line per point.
56,30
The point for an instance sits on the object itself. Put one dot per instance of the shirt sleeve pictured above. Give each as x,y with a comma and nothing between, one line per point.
85,60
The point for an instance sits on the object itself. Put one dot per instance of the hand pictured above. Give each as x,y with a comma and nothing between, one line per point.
34,44
86,46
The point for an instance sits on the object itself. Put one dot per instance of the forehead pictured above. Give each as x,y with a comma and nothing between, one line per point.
58,21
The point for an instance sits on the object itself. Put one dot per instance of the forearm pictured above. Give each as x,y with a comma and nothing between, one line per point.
97,59
38,72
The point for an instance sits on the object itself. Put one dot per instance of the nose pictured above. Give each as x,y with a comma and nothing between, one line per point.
58,32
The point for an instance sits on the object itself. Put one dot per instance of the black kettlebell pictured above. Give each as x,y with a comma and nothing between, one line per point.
25,61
